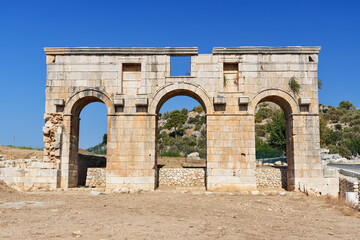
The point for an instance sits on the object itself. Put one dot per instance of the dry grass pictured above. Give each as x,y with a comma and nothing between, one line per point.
345,207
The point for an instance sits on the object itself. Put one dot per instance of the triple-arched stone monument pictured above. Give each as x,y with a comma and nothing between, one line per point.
133,83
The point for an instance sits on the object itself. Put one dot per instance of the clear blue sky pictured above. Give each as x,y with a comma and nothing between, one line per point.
28,26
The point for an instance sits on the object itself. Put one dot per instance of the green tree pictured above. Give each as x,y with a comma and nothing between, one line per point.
260,145
184,111
347,105
277,131
165,115
320,84
198,109
262,114
354,146
104,139
324,131
176,119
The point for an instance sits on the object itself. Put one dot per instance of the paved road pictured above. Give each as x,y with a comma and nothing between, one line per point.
350,167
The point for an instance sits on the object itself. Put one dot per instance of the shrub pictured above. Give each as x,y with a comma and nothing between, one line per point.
294,85
184,111
354,147
338,127
346,105
171,154
198,109
260,130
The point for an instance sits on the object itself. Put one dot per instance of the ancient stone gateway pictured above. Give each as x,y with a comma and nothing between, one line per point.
133,83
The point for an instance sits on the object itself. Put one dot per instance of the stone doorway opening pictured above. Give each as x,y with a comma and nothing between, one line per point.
180,142
274,144
89,144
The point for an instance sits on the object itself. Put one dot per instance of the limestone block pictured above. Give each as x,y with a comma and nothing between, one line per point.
59,102
119,102
305,101
331,173
141,101
220,100
243,100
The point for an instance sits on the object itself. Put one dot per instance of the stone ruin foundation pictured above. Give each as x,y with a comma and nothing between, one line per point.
133,83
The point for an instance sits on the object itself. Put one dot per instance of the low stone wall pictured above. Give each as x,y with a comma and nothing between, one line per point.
182,177
86,162
28,174
271,177
348,184
96,178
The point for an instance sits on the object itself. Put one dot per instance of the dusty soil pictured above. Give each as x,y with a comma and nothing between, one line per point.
16,153
173,215
175,162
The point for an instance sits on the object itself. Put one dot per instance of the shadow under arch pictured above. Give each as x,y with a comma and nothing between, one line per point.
156,106
289,105
71,164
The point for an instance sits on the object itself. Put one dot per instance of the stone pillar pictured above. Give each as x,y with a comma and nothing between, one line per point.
231,152
69,154
306,170
131,152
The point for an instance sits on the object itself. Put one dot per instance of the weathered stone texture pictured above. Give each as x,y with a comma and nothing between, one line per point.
28,174
271,177
96,178
52,137
181,177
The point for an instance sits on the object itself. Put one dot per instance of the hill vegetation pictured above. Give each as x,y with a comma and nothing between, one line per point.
181,132
339,128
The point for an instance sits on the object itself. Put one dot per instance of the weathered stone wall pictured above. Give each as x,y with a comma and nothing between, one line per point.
96,178
348,184
271,177
52,137
86,162
230,153
181,177
28,174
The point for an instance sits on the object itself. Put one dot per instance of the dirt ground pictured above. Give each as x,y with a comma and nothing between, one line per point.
178,162
173,215
16,153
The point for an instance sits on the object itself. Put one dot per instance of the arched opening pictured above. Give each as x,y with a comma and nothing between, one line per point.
88,148
274,143
180,141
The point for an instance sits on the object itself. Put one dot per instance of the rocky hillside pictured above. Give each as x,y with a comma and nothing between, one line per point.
182,132
339,128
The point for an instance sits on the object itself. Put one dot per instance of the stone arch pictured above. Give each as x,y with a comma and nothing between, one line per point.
290,107
80,99
72,168
177,89
278,96
173,90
